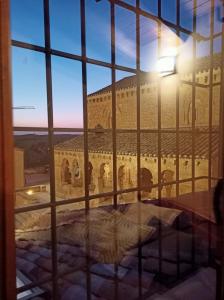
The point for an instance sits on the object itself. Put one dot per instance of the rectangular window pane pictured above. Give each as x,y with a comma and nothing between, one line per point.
201,154
125,33
168,102
149,6
71,250
186,14
98,31
65,24
168,163
185,151
215,157
185,188
126,198
149,163
27,21
126,100
99,99
126,160
202,107
169,10
185,103
215,104
149,104
29,88
100,164
69,165
203,17
33,249
32,168
67,93
148,44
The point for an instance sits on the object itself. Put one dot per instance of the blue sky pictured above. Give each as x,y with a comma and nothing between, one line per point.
28,67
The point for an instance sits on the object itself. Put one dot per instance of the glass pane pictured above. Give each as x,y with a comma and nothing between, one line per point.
65,23
148,44
169,8
185,103
203,17
126,160
27,21
185,188
67,93
125,33
186,14
150,6
184,63
33,248
217,47
168,102
215,155
201,107
185,152
149,104
100,165
169,42
218,16
99,99
149,163
168,163
32,168
29,88
200,186
71,250
201,153
98,31
126,102
69,165
126,198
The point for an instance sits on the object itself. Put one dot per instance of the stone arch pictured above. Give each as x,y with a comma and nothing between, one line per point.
65,172
77,180
105,178
167,176
146,180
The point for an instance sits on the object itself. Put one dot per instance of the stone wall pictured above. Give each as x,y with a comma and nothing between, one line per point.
101,177
100,110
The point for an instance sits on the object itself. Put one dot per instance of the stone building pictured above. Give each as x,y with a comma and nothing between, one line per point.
69,157
19,168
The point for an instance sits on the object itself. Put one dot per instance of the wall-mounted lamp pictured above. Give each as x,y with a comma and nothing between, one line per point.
167,62
166,65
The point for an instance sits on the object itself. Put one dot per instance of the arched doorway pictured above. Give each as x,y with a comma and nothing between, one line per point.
146,180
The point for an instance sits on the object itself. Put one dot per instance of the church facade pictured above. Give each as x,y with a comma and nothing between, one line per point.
69,156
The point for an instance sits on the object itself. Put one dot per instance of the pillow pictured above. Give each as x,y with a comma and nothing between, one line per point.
147,211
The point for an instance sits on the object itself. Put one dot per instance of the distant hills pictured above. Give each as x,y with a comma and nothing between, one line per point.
36,147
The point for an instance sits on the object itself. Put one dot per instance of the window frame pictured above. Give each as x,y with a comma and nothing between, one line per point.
7,242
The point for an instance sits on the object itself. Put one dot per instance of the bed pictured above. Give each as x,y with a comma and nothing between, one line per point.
145,248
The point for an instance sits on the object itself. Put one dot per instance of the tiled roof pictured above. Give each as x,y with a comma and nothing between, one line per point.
127,143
